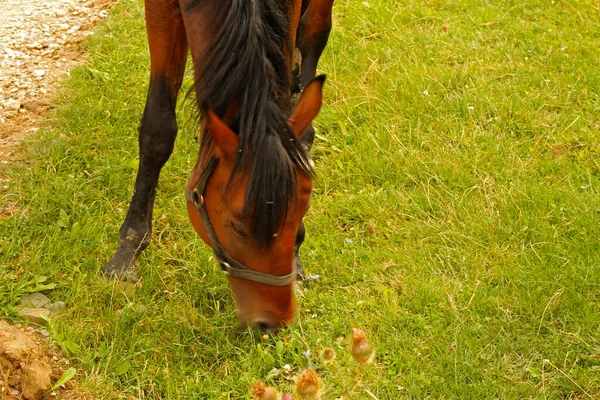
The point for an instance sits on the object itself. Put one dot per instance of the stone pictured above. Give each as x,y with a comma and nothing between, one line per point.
35,107
12,104
33,314
34,300
57,307
38,378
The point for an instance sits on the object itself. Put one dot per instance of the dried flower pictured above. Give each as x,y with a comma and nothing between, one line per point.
262,392
360,347
328,355
308,385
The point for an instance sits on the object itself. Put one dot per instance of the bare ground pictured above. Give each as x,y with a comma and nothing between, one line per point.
29,366
40,42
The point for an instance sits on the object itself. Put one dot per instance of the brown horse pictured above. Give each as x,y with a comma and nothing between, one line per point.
251,186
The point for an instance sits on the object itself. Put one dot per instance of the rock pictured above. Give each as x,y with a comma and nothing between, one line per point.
35,300
35,107
38,380
39,73
57,307
33,314
12,105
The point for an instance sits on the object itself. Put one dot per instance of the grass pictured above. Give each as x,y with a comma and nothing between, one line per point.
455,218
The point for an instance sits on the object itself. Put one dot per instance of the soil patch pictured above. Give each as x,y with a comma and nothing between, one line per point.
29,366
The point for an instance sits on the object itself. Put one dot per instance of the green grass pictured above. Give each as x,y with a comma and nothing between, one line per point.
455,218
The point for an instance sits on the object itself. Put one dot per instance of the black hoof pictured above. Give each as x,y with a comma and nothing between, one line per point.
121,267
300,276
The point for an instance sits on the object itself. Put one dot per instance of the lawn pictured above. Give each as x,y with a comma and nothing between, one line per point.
455,219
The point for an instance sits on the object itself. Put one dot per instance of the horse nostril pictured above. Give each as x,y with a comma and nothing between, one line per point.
265,326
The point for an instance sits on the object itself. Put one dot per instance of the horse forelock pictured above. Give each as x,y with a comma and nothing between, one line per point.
246,63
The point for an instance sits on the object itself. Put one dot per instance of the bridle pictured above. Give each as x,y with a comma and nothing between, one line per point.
228,264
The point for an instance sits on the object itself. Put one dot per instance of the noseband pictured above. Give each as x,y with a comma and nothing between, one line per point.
228,264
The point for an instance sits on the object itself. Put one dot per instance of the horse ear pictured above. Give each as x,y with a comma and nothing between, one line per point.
225,140
308,106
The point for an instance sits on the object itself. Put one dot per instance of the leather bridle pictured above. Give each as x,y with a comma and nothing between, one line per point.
228,264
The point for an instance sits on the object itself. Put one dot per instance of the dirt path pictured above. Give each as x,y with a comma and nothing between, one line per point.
40,42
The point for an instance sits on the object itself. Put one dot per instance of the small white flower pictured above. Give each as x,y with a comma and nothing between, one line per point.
425,92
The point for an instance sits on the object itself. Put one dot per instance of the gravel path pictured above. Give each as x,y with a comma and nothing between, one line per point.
39,43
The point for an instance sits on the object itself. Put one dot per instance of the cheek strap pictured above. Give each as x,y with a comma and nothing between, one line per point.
228,264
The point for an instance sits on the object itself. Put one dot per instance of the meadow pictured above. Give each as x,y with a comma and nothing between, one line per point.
455,218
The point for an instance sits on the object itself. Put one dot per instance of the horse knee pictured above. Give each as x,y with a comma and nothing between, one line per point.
314,28
314,36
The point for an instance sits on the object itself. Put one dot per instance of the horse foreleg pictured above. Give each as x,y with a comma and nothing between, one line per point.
299,240
313,33
307,140
157,130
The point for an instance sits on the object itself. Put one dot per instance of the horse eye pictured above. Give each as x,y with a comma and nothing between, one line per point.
238,230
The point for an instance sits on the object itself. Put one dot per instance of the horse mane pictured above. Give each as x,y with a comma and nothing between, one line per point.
246,63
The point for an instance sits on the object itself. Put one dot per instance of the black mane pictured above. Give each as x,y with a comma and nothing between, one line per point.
246,63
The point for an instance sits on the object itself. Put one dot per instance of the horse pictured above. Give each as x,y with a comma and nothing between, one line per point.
255,87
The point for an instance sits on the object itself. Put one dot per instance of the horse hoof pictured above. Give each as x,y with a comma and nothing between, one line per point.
300,276
128,274
116,269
